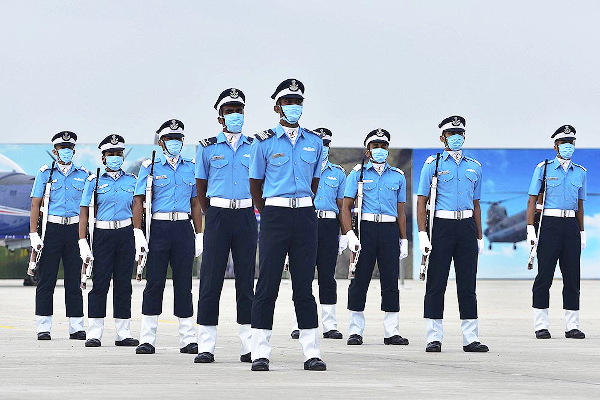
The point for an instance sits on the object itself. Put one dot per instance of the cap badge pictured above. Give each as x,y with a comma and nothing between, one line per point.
66,136
455,121
567,129
114,140
293,86
173,125
234,94
379,132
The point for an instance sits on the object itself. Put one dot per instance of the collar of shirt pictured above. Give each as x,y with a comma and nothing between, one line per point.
325,164
173,162
65,168
114,174
456,155
373,165
564,163
379,167
280,130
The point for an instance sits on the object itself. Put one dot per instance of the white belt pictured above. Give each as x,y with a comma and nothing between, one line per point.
378,217
326,214
554,212
170,216
230,203
113,224
294,202
55,219
445,214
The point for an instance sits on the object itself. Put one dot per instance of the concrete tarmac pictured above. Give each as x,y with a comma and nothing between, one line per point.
517,367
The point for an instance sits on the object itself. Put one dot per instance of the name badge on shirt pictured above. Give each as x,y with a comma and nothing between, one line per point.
443,172
276,155
552,178
368,181
218,157
103,186
161,177
308,148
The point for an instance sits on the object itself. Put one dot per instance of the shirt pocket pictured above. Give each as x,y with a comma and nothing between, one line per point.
446,181
278,161
369,186
54,186
162,181
219,163
553,185
472,178
245,160
309,156
189,185
102,189
576,182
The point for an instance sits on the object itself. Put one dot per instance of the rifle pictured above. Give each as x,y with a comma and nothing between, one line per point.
539,207
141,262
430,216
88,264
356,221
36,254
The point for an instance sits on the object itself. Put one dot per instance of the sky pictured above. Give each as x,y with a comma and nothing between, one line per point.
516,70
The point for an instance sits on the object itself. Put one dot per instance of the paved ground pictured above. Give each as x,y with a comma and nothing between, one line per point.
518,366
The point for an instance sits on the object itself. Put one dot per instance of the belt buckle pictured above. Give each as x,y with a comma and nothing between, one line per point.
233,204
319,213
65,220
294,202
563,213
173,215
115,224
377,217
458,215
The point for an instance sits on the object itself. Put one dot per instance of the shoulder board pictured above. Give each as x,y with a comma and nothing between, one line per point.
147,163
339,166
264,135
44,167
91,177
430,159
356,167
187,160
309,131
549,162
208,142
130,174
81,167
250,139
474,160
580,166
397,170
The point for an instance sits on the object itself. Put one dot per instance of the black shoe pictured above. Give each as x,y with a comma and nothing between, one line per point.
204,358
191,348
543,334
333,334
127,342
575,334
246,358
261,364
79,335
44,336
476,347
434,347
354,340
396,339
315,364
295,334
145,348
93,343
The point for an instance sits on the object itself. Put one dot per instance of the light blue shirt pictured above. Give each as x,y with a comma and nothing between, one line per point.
288,170
115,197
563,188
171,189
65,191
225,169
331,188
458,184
381,193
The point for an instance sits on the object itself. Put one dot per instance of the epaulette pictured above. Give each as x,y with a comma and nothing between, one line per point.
84,169
314,133
91,177
147,163
474,160
44,168
356,167
190,160
396,169
429,160
580,166
250,139
542,163
264,135
130,174
339,166
208,142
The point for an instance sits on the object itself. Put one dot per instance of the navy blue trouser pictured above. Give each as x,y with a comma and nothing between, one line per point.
227,230
379,243
114,253
560,241
328,231
452,240
171,242
60,242
291,231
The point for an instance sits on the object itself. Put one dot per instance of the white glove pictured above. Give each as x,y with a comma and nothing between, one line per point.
342,244
479,246
36,241
353,242
199,244
141,246
583,240
424,243
403,248
531,236
84,251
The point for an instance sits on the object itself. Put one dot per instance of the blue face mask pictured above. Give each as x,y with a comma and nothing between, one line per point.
566,150
173,147
455,142
65,155
379,155
114,163
234,122
325,152
292,113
